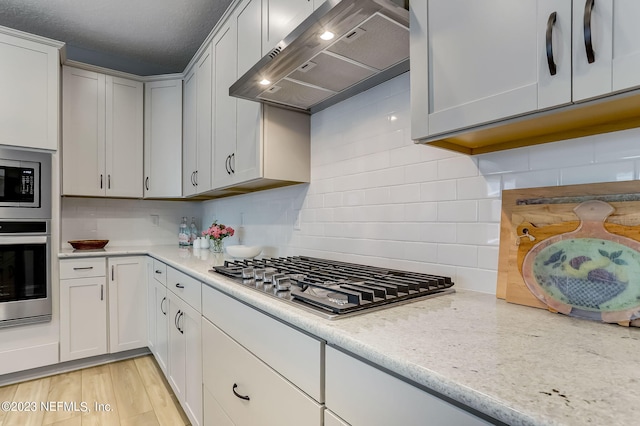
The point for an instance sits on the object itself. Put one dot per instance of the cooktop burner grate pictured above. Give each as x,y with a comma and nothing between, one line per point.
333,288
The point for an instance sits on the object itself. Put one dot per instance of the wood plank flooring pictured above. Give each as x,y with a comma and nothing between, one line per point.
125,393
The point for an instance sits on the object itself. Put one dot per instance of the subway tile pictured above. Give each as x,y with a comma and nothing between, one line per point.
617,146
574,152
458,211
481,280
380,213
324,215
531,179
353,198
405,155
419,252
458,255
405,193
489,210
333,199
513,160
443,190
421,172
457,167
479,187
387,177
432,153
488,258
607,172
421,212
377,196
478,233
438,232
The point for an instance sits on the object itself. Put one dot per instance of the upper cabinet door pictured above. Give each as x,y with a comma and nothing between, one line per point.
29,88
486,59
163,139
83,132
189,140
224,106
606,40
124,136
280,17
204,95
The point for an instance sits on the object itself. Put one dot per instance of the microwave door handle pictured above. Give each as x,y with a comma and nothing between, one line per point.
23,240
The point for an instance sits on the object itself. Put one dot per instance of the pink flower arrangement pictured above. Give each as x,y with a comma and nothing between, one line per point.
218,232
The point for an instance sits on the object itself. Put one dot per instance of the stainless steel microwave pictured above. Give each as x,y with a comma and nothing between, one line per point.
25,184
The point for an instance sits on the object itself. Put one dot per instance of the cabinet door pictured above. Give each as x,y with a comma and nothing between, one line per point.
127,303
189,130
203,121
224,106
247,163
163,139
83,132
247,389
30,85
626,44
124,137
157,315
484,61
185,357
83,318
360,394
280,18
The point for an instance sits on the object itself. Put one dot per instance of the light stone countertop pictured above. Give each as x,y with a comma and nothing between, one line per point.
517,364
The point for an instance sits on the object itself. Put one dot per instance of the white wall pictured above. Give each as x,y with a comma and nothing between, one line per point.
124,222
377,198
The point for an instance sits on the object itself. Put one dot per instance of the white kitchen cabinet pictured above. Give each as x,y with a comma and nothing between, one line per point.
255,146
225,58
606,54
197,126
487,61
189,138
185,356
280,17
247,389
364,395
127,303
102,131
83,308
163,139
30,88
158,319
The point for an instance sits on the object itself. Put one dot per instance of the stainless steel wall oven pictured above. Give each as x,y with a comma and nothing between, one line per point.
25,237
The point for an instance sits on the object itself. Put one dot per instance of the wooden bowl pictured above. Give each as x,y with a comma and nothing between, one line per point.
88,244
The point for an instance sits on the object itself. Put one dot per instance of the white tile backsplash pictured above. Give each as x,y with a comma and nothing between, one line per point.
377,198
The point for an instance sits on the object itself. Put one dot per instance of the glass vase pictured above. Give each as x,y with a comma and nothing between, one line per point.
217,246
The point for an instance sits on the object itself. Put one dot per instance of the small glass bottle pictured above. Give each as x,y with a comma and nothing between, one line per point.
193,229
183,233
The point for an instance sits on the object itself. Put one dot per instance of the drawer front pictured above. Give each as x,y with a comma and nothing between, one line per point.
270,340
231,373
160,272
360,394
185,287
83,268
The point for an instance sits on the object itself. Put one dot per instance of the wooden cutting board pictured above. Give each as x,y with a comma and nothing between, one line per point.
545,220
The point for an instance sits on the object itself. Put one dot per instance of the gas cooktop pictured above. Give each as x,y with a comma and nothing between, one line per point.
331,288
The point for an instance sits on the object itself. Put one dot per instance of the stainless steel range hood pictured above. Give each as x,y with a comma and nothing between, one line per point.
305,72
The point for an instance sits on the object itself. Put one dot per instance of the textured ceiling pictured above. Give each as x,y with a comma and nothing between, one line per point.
143,37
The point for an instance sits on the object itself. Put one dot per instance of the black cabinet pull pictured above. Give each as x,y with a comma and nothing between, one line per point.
102,292
158,271
193,182
146,183
245,397
588,44
232,167
175,320
227,164
112,272
550,23
164,299
180,329
196,177
100,181
108,181
82,268
178,285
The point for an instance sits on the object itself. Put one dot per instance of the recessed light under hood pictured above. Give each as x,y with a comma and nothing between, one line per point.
310,71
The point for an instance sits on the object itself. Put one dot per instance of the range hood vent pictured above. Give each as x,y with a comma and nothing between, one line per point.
306,73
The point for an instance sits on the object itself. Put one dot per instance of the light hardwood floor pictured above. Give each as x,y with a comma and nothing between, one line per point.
135,389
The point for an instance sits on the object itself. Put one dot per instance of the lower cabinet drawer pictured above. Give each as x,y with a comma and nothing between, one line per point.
362,395
184,286
82,268
249,391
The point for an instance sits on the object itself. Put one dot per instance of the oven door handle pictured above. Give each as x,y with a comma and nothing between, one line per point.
5,241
